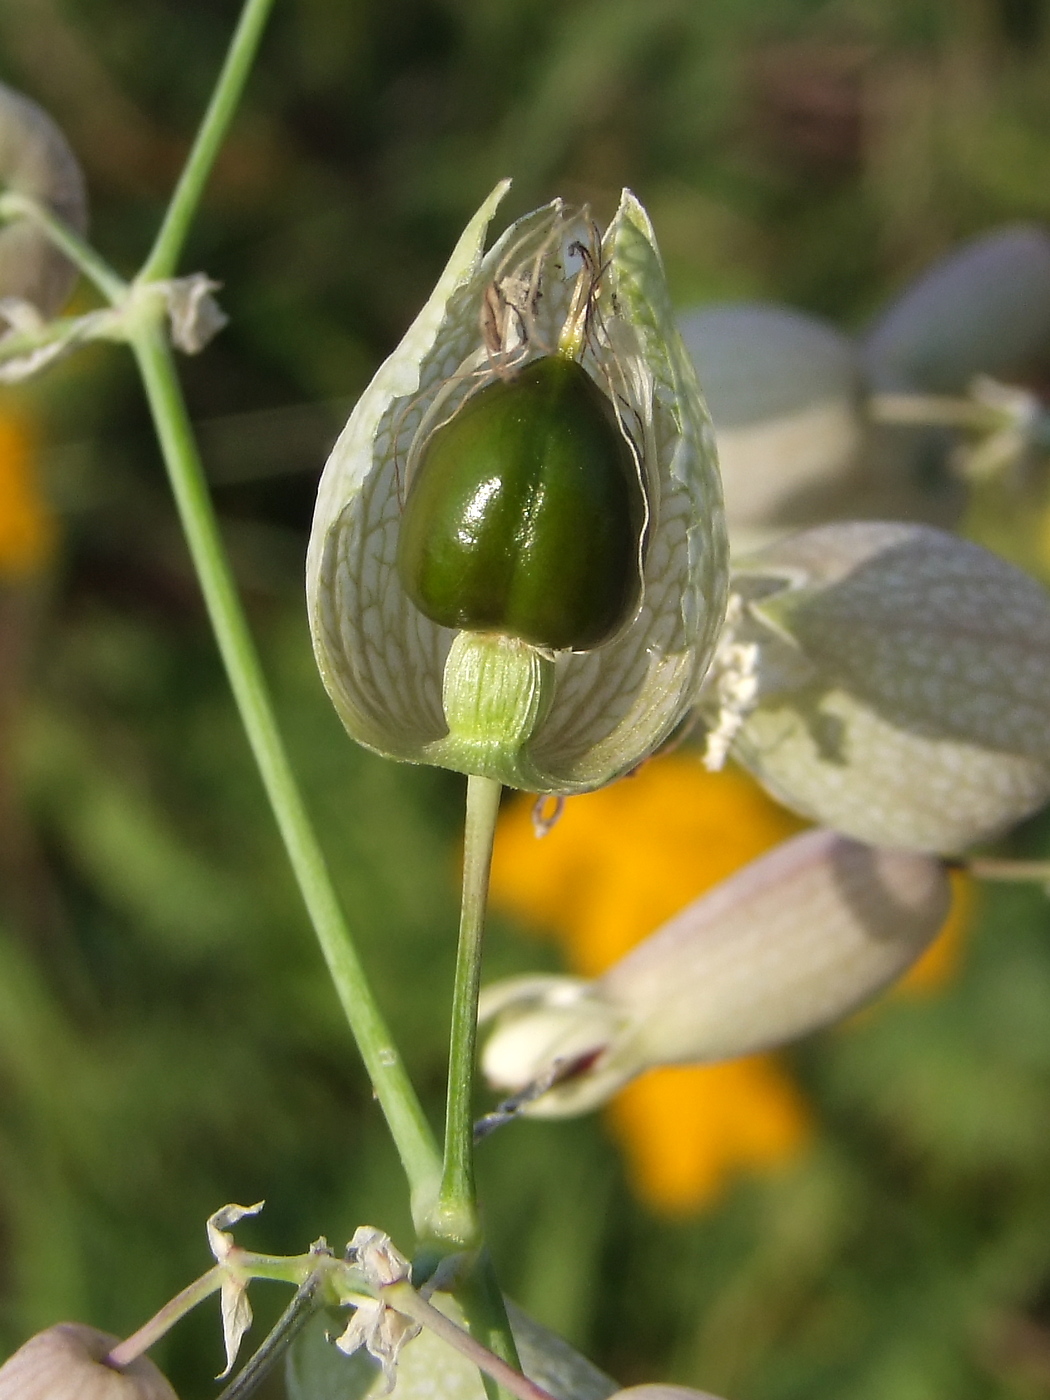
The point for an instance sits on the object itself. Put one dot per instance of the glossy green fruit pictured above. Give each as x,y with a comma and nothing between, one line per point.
525,514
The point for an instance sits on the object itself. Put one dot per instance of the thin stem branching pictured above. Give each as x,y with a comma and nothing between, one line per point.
455,1218
167,247
385,1067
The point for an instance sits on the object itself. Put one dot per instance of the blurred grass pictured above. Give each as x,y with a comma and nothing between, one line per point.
168,1041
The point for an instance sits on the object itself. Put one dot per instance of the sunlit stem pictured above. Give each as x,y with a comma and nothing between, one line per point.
305,1270
240,56
454,1221
397,1099
992,868
481,1299
124,1353
930,411
455,1217
406,1300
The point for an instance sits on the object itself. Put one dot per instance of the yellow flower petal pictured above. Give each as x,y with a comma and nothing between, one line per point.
939,964
624,859
687,1131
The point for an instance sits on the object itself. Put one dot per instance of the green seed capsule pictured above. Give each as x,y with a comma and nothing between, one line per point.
525,513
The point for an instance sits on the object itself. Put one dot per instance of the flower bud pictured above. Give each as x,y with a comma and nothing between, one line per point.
66,1363
890,681
36,160
790,943
525,499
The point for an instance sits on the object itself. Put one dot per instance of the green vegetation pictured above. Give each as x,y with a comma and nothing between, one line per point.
169,1036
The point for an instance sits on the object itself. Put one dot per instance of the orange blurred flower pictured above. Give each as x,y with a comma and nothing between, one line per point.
940,962
618,864
625,858
28,531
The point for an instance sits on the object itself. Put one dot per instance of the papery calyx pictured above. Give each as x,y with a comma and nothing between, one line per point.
603,687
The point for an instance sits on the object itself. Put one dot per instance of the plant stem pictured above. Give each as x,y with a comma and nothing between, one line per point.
125,1352
21,206
992,868
393,1089
485,1311
927,410
406,1300
455,1217
167,246
295,1316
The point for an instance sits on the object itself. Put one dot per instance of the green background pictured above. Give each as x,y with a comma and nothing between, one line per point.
168,1038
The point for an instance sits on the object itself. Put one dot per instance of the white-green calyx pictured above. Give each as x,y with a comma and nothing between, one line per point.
559,720
888,680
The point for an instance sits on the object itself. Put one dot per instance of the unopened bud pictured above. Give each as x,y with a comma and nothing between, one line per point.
67,1363
890,681
792,942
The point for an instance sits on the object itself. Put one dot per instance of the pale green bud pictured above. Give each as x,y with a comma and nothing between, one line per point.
66,1363
890,681
791,943
576,718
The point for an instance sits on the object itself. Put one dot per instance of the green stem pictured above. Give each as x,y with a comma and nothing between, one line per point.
296,1315
21,206
408,1302
307,1271
485,1310
125,1352
393,1089
456,1215
167,246
927,410
993,868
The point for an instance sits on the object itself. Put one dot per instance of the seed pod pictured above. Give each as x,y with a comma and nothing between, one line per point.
36,160
792,942
525,515
66,1363
890,681
533,465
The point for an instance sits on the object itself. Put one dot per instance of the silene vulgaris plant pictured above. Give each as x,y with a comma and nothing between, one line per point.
519,570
